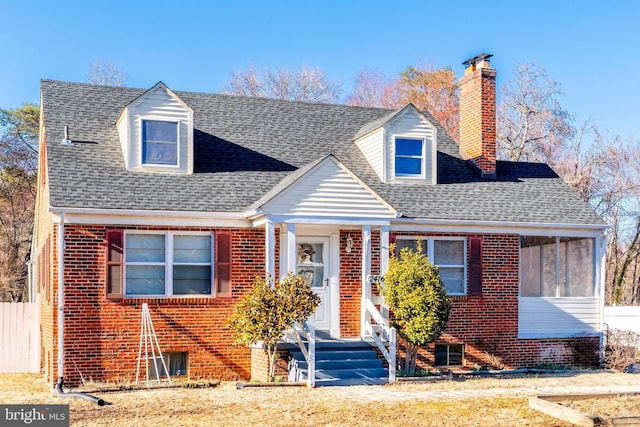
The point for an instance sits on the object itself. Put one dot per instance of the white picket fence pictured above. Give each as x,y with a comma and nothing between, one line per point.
19,337
623,317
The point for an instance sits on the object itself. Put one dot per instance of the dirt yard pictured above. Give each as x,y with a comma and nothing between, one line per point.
413,404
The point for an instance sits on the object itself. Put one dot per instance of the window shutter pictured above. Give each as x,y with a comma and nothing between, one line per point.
392,245
222,268
115,260
475,266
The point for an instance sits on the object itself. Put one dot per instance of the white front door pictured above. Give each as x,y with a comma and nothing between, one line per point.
314,264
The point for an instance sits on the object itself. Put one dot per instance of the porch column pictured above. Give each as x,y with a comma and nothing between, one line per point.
270,249
366,272
291,255
384,264
384,249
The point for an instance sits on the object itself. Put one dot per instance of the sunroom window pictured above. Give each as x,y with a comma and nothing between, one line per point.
556,267
409,157
159,143
448,255
168,264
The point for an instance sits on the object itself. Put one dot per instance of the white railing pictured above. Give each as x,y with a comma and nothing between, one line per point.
309,352
381,332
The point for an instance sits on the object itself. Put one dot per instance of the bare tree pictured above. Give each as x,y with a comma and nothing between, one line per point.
532,125
245,83
373,89
305,84
107,74
428,88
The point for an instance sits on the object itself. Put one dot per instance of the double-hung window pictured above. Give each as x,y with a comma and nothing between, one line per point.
409,157
159,143
448,254
557,266
168,264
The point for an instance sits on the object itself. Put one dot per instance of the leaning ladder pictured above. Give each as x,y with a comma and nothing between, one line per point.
150,340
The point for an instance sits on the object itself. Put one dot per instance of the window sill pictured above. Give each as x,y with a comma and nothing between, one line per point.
169,300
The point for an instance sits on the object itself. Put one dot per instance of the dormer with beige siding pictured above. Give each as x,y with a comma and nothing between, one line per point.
156,132
401,147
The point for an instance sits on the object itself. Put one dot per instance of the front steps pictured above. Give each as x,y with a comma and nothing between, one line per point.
340,363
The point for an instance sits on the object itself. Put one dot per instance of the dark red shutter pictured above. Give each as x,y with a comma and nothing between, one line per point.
475,266
392,245
115,260
222,269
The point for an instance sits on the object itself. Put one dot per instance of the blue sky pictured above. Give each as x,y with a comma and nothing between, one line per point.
590,47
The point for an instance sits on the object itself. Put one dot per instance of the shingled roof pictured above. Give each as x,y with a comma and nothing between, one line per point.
246,146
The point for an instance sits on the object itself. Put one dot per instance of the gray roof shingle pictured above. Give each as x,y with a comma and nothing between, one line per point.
244,147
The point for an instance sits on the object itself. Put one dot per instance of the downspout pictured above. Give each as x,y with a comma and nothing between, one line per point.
60,383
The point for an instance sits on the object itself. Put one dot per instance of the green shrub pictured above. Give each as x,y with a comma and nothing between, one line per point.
267,312
415,293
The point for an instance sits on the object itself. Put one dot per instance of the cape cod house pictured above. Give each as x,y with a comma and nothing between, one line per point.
180,199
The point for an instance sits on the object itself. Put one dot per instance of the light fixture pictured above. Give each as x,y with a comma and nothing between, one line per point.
349,244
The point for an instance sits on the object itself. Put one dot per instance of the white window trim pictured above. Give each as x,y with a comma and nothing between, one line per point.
423,158
429,242
178,124
168,264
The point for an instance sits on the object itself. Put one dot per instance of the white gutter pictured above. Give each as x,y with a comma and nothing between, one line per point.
402,224
142,212
60,383
60,248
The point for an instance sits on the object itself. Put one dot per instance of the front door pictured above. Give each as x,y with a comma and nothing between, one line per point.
314,264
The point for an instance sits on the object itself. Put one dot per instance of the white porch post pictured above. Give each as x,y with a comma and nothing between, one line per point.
384,263
366,286
292,256
270,249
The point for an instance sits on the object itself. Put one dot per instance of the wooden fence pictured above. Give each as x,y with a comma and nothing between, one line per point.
19,337
623,317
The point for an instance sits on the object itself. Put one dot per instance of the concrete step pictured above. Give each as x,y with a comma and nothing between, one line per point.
350,362
343,364
326,354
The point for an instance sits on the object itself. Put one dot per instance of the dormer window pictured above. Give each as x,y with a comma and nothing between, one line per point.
409,157
159,143
401,147
156,133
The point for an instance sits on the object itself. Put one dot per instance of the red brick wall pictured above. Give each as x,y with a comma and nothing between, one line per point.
487,325
478,118
102,336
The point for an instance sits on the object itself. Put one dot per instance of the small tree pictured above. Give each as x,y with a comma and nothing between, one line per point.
415,293
267,312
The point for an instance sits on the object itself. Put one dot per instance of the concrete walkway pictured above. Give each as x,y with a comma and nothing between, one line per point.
386,394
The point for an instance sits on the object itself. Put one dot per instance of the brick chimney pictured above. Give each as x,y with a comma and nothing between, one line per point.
478,115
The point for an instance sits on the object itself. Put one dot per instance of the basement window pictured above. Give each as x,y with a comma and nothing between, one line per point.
177,364
449,354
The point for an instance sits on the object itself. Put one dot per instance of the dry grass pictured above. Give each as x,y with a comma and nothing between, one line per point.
607,407
299,406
